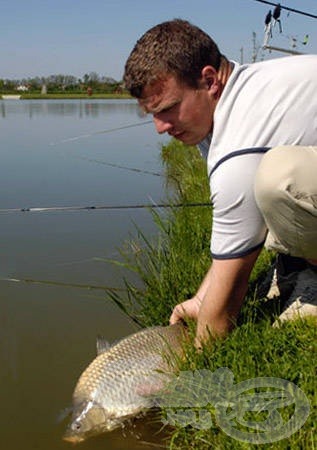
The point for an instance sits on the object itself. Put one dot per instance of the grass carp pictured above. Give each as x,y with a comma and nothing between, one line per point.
118,383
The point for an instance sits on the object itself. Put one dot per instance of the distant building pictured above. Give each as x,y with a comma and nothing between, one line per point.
22,88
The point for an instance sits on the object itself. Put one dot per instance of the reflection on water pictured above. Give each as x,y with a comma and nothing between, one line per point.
47,332
74,108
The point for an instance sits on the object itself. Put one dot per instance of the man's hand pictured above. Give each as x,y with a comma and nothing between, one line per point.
219,298
188,309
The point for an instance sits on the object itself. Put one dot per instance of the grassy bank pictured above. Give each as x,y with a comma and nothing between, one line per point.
170,269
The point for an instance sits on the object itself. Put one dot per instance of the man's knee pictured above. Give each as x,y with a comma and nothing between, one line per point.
287,173
286,194
272,179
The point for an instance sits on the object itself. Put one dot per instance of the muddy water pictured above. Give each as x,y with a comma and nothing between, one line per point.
47,331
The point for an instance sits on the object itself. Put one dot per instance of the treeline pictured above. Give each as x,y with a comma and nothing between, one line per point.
59,84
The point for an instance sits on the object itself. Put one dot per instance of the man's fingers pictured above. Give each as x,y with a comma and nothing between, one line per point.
178,314
175,317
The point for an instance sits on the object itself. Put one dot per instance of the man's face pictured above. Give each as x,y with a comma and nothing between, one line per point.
182,112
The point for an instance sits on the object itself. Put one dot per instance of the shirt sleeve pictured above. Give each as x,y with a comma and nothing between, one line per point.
238,226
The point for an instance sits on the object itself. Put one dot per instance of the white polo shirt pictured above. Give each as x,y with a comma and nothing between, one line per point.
263,105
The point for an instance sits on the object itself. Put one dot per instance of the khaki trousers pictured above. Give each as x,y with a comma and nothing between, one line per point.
286,194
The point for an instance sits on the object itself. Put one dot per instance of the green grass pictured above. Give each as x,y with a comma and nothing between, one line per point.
252,350
170,268
172,265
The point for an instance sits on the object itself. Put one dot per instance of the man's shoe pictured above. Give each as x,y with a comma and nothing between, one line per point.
282,277
303,300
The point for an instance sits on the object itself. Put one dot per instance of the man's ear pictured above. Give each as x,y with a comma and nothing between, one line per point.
209,78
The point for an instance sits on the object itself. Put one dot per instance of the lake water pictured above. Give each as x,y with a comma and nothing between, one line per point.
52,155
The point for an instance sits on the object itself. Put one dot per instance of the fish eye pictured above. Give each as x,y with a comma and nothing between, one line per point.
76,426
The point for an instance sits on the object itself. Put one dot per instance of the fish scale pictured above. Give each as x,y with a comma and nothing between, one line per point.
118,382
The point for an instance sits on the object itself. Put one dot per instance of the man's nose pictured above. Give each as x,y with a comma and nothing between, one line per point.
161,125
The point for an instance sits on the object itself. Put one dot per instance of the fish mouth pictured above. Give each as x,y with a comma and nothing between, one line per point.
89,419
72,439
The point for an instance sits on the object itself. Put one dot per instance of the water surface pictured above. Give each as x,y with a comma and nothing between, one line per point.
47,332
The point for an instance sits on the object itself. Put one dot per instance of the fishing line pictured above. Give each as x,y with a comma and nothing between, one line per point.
111,291
118,166
103,207
110,130
62,284
95,133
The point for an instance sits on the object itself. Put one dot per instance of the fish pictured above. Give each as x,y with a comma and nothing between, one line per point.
118,384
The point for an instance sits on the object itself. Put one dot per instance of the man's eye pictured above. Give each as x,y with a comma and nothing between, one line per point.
168,108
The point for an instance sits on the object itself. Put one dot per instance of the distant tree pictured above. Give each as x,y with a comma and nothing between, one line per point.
58,83
8,85
86,78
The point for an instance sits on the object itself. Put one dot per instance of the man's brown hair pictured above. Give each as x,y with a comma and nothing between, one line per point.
175,47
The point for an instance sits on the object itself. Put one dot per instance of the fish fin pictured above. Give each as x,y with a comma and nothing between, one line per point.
152,387
102,345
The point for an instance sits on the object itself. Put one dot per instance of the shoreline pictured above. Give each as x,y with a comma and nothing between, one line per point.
66,97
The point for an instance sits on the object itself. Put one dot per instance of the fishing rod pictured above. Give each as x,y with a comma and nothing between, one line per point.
102,207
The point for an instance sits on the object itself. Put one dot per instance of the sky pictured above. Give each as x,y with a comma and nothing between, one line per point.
75,37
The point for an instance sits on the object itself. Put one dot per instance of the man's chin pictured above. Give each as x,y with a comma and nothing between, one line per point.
186,139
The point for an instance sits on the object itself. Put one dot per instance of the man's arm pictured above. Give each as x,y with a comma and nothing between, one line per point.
218,301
